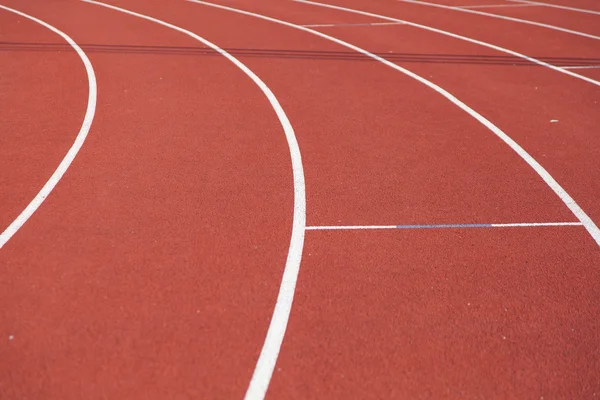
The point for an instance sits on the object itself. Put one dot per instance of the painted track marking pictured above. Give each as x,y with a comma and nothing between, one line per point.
272,345
539,3
497,6
454,35
72,152
441,226
523,21
582,67
370,24
262,376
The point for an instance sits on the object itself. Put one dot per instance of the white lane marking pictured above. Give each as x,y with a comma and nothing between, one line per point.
537,224
283,306
497,6
368,24
523,21
263,372
582,67
72,152
343,227
454,226
539,3
591,227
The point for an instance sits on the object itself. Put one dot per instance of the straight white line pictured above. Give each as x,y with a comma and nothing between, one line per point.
72,152
582,67
497,6
279,320
264,370
523,21
526,224
467,39
343,227
538,3
454,226
591,227
367,24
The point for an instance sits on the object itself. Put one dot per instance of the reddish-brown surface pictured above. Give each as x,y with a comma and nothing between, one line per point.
581,22
152,270
42,109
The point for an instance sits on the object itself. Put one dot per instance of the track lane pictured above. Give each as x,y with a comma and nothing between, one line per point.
460,314
43,108
585,25
138,272
534,41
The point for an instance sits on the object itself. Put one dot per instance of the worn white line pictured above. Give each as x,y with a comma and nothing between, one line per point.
367,24
582,67
72,152
523,21
539,3
264,369
497,6
281,313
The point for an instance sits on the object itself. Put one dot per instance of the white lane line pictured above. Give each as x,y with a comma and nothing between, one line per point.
263,372
72,152
523,21
497,6
283,306
368,24
526,224
539,3
582,67
440,226
344,227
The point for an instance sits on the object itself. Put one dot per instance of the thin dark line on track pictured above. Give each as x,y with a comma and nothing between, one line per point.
301,54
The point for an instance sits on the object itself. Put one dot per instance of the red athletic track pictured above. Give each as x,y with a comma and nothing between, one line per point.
152,270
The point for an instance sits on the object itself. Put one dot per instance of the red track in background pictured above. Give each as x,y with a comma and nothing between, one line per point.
152,269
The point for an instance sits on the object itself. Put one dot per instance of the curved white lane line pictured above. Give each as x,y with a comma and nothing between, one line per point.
538,3
261,378
83,132
454,35
270,351
504,17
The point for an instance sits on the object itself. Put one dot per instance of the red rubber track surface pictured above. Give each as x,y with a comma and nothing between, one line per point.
39,120
581,22
144,272
152,269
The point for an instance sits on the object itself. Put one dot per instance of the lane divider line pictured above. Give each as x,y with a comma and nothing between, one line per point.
441,226
498,6
539,3
283,305
263,372
75,147
369,24
454,35
582,67
523,21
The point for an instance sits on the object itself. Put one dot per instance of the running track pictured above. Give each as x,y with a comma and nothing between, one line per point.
425,180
